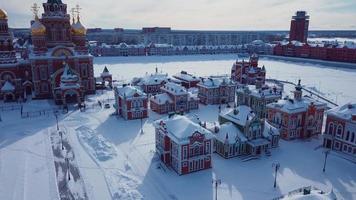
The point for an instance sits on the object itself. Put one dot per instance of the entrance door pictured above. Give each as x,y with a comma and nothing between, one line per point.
71,98
28,90
9,98
258,150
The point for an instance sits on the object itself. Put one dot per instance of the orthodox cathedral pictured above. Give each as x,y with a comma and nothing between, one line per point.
57,64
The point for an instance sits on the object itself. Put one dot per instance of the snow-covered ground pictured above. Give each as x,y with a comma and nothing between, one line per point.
117,161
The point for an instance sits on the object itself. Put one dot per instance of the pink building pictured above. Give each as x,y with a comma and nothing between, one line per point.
130,102
340,129
175,98
248,72
183,145
187,80
301,117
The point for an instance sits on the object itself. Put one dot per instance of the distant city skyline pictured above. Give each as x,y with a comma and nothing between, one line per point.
198,14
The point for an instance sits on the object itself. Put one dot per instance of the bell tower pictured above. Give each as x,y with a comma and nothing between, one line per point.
57,22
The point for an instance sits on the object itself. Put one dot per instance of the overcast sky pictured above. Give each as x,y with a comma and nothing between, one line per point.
198,14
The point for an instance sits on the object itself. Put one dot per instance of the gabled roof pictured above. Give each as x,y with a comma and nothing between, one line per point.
344,112
180,128
129,91
240,115
7,87
229,133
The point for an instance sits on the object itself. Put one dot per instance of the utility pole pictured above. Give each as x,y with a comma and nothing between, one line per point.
216,182
276,166
326,156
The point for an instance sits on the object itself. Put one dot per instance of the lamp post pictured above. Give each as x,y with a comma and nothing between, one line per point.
61,134
216,182
56,115
326,156
141,125
276,166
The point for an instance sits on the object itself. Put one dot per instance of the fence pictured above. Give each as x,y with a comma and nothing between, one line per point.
39,113
10,107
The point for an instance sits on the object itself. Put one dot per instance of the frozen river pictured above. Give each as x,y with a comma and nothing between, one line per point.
337,84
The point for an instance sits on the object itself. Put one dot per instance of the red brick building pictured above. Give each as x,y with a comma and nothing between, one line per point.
15,73
151,83
130,102
174,98
300,117
340,130
299,27
183,145
298,45
56,40
187,80
247,72
216,90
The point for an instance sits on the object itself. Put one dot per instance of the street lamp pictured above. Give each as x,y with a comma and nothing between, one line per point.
276,166
56,115
61,134
141,125
326,153
216,182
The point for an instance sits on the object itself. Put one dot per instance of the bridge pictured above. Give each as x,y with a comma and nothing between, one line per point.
305,89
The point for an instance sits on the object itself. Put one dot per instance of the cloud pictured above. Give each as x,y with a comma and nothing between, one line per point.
200,14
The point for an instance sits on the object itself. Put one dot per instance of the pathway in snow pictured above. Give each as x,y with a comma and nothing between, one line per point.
26,165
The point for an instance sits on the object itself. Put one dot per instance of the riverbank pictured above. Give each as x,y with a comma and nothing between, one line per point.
311,61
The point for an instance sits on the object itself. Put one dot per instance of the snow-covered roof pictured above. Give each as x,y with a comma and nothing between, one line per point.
68,74
294,106
344,112
239,115
153,79
161,99
228,132
214,82
183,75
174,88
266,91
269,130
129,91
180,128
7,87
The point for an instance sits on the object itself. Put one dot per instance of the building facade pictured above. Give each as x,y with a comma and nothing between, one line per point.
183,145
300,117
55,40
248,72
252,135
174,98
299,27
187,80
151,83
15,73
130,102
340,130
298,46
216,90
258,96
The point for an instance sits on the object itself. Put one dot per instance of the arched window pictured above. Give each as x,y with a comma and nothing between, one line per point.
352,137
339,131
347,135
331,127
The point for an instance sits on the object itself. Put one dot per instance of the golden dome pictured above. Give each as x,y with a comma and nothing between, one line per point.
78,29
37,28
3,14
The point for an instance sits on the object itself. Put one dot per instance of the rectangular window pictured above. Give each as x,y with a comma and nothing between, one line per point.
43,73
